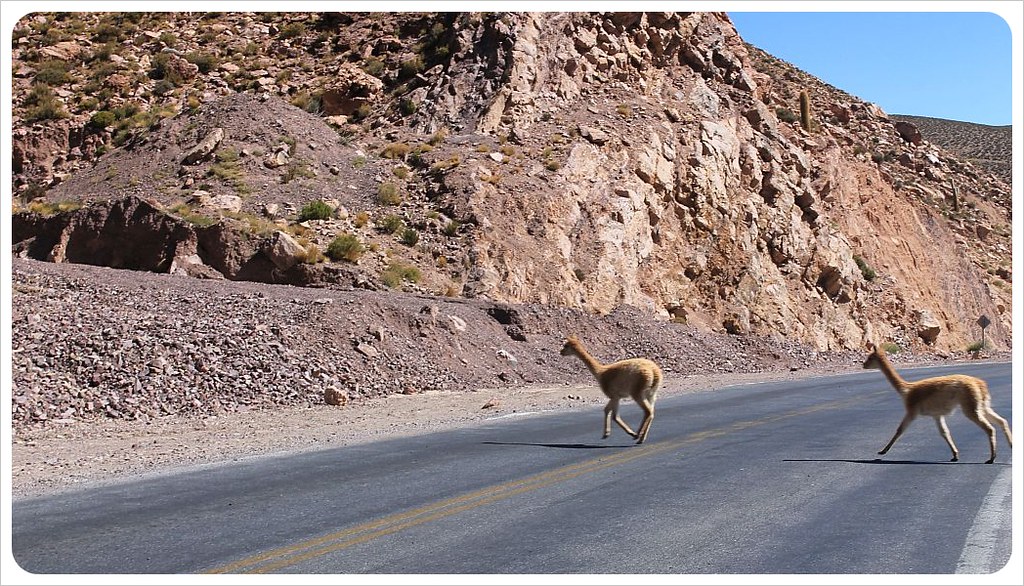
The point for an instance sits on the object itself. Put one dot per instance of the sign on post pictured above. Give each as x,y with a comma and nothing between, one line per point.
984,322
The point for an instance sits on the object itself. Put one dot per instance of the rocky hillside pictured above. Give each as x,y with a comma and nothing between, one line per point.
576,160
987,147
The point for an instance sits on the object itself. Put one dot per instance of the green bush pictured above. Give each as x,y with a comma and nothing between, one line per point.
390,224
292,30
315,210
410,237
102,119
345,247
374,66
204,61
865,270
410,67
42,104
977,346
396,273
451,228
786,115
407,107
53,73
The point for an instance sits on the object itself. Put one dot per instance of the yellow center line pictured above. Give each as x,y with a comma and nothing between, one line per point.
300,552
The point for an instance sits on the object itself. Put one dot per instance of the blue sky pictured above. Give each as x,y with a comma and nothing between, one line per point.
952,65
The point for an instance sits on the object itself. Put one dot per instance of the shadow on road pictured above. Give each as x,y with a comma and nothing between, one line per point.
881,461
570,446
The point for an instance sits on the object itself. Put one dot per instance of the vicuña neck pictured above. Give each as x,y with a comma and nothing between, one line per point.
591,362
890,373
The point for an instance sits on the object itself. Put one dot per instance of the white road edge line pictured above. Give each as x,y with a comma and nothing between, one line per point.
980,546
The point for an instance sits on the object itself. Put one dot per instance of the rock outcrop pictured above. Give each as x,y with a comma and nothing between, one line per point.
586,160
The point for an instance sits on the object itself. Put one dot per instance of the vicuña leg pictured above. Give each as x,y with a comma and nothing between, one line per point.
645,426
940,422
978,417
899,431
992,415
611,410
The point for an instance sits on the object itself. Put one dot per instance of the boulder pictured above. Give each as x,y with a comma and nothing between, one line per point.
205,148
928,328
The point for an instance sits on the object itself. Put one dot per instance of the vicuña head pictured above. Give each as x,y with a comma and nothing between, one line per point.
936,397
635,378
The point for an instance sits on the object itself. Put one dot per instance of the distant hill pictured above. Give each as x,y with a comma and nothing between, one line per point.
988,147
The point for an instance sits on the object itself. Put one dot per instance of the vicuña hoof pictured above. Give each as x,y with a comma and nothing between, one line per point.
955,459
990,460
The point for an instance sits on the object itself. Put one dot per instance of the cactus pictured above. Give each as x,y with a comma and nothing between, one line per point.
805,110
956,195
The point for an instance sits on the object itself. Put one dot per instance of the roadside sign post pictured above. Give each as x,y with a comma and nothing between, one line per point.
984,322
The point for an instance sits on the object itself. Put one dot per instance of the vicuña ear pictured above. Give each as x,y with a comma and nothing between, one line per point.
870,346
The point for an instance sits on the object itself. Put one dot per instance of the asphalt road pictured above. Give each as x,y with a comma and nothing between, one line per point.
774,478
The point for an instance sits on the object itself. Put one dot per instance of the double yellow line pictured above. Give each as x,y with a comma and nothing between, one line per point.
276,559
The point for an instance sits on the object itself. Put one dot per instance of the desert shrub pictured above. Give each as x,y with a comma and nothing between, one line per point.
390,224
297,168
624,110
292,30
409,237
401,172
169,39
315,210
407,107
228,168
204,61
396,273
345,247
374,66
189,215
436,138
53,72
786,115
360,113
387,193
49,208
451,228
410,67
395,150
163,87
310,254
307,102
361,219
976,346
892,348
102,119
447,164
42,104
865,270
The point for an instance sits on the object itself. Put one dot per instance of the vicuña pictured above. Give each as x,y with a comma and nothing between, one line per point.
937,397
635,378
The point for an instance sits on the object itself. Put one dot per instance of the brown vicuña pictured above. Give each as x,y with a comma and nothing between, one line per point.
937,397
635,378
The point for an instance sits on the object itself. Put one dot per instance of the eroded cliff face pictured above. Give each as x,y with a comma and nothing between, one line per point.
590,160
682,192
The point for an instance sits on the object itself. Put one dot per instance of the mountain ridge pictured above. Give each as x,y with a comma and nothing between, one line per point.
652,163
